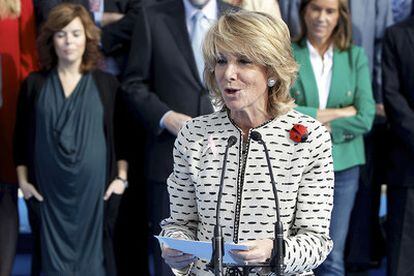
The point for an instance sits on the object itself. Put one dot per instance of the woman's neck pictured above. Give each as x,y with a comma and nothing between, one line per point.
68,69
320,45
248,120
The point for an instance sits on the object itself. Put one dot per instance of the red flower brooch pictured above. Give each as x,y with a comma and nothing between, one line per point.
298,133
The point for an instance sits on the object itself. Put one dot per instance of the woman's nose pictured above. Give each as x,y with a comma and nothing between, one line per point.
231,72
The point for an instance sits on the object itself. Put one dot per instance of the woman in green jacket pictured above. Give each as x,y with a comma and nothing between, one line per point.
334,87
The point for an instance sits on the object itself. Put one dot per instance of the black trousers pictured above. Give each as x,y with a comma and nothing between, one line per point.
366,243
9,227
400,231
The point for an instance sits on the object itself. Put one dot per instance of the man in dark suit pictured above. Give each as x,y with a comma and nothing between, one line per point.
398,84
163,89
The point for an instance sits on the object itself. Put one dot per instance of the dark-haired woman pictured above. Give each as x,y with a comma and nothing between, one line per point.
65,147
334,87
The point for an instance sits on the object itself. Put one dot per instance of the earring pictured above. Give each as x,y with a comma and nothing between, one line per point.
271,82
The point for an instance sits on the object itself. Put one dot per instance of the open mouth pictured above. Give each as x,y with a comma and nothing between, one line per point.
231,90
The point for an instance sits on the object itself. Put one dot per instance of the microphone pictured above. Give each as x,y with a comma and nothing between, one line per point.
216,262
278,252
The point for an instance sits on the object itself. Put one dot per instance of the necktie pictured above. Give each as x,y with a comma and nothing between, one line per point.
94,5
200,28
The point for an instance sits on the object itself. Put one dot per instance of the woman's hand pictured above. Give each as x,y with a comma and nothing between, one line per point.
174,121
176,259
29,191
259,251
348,111
116,187
327,115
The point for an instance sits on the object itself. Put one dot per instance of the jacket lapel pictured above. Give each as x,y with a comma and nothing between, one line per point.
339,78
175,21
307,77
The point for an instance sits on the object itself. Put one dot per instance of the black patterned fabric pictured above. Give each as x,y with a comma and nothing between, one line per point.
304,179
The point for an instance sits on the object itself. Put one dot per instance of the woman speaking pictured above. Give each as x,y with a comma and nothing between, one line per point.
249,71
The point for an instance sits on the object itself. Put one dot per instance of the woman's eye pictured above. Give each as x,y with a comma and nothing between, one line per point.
60,34
221,61
244,61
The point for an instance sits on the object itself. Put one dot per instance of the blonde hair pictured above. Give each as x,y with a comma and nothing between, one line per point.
262,39
10,9
342,34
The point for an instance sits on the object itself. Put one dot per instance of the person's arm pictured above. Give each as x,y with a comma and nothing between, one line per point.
399,111
27,188
383,19
345,129
27,40
110,18
328,115
141,101
120,134
21,139
117,28
119,184
310,244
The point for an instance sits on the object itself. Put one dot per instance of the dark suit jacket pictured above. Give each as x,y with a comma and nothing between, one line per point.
398,84
116,37
162,76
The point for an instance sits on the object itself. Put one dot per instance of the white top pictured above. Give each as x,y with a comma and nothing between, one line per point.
304,179
322,69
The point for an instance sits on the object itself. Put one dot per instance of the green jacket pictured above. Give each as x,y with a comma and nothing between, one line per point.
350,85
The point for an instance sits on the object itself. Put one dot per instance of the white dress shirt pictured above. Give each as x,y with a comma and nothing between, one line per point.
322,70
210,11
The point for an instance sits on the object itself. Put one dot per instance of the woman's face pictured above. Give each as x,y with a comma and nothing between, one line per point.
70,42
242,83
321,18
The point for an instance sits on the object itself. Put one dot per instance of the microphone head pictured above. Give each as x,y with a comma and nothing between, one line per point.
231,141
256,136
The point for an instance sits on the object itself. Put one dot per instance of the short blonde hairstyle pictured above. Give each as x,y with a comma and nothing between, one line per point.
262,39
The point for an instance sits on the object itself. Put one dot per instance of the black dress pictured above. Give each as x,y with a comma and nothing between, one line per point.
70,160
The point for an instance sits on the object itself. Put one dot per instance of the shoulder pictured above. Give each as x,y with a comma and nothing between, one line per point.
201,127
398,30
37,76
161,7
104,80
403,25
98,74
34,81
354,55
206,123
298,45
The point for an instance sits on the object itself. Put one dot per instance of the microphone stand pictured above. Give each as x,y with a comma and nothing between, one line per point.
278,252
216,262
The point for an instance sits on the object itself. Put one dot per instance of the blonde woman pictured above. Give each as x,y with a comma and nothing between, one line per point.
250,69
17,53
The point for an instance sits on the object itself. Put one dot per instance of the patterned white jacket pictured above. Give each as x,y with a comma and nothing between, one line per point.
303,174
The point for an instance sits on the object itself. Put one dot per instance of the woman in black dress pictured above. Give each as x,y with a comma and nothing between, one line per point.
65,147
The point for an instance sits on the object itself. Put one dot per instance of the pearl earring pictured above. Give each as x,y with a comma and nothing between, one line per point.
271,82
